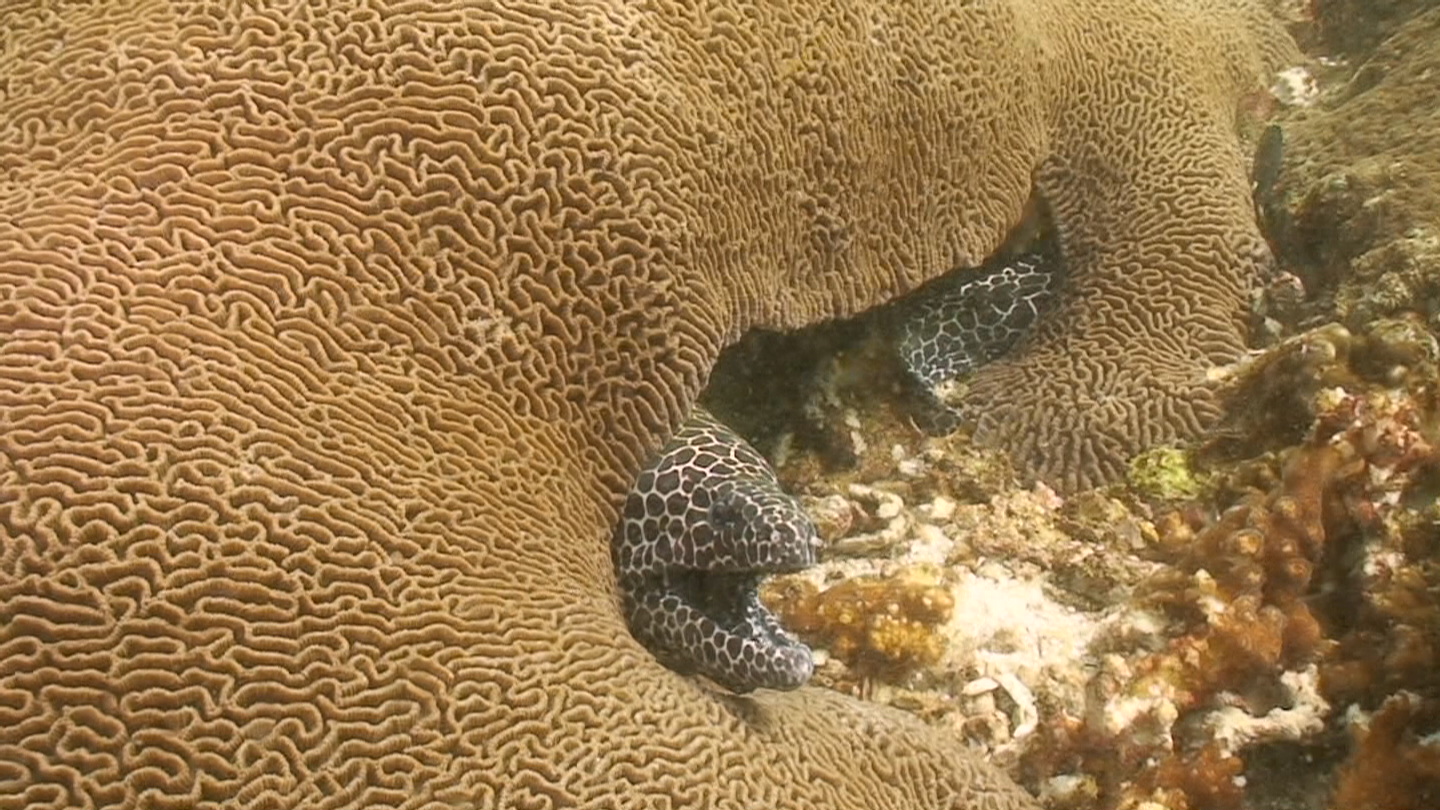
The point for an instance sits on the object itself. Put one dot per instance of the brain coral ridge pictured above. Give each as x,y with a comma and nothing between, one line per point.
335,332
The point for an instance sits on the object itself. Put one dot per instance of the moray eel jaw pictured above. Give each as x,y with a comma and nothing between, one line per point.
703,525
729,636
701,614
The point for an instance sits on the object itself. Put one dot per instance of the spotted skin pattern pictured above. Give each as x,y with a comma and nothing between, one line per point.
702,525
708,519
966,320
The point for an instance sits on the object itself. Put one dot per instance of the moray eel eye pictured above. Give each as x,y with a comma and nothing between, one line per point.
705,522
725,516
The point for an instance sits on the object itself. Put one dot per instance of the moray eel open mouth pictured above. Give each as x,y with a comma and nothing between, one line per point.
736,641
704,524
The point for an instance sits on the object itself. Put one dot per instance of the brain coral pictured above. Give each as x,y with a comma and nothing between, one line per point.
334,333
1147,186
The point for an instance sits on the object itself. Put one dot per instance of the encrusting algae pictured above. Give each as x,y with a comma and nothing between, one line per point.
1165,473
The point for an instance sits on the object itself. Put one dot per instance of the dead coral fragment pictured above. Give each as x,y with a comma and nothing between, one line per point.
881,626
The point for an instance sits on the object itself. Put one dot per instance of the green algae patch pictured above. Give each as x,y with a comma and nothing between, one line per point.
1166,473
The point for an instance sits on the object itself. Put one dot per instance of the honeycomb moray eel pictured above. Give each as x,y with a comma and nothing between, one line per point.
335,332
707,518
703,523
966,319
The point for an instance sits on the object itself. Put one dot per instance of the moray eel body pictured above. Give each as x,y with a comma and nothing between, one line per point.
704,522
967,319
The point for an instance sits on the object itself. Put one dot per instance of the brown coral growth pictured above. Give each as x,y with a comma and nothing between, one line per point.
1391,766
880,626
1312,591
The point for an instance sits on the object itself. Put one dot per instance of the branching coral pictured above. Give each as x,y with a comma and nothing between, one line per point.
1396,762
1304,595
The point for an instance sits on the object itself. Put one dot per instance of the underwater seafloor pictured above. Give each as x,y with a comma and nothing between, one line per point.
1251,621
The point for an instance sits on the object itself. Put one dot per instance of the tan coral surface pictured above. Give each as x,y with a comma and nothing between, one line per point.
333,332
1148,190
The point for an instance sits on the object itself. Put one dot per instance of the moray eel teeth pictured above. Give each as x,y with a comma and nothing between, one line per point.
705,522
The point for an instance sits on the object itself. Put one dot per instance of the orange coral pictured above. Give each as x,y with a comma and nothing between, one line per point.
883,627
1210,778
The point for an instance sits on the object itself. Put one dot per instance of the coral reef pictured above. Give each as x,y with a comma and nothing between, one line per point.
1118,366
1138,648
335,333
1251,621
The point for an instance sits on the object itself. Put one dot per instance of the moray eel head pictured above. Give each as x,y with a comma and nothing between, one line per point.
703,525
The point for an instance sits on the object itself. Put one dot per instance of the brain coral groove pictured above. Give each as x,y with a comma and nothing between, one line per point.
333,334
